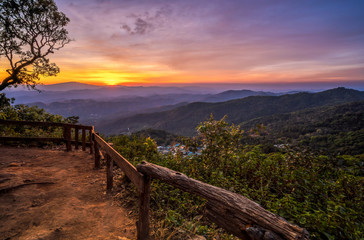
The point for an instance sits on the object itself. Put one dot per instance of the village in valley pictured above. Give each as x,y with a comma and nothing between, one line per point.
178,148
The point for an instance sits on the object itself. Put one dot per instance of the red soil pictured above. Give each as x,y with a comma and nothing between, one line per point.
53,194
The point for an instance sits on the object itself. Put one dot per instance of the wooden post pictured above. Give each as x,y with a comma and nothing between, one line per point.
67,137
76,137
83,139
69,146
64,133
109,173
97,155
91,131
144,205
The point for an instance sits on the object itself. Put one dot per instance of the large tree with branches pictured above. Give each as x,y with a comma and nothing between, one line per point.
30,30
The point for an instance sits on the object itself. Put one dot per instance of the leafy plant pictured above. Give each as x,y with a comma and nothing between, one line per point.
34,114
323,194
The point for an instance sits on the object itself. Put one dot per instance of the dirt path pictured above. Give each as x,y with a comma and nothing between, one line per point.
59,196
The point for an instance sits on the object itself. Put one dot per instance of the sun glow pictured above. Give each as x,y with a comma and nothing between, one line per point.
112,82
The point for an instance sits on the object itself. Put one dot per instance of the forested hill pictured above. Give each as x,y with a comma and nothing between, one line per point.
335,129
183,120
235,94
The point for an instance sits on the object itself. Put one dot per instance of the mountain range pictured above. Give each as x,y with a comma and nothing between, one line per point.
183,120
95,103
74,90
121,109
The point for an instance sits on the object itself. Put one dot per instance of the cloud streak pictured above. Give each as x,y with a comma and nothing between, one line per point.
145,23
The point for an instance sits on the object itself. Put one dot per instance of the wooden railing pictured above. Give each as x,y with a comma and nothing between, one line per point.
233,212
67,137
141,182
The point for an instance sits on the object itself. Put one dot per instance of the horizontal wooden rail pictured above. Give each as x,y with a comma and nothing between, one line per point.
37,139
42,124
67,132
32,139
129,170
237,214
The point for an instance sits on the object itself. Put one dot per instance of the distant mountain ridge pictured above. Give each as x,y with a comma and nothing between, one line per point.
90,110
93,109
236,94
74,90
183,120
69,91
67,86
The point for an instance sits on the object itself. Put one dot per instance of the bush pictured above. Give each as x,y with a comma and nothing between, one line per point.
27,113
320,193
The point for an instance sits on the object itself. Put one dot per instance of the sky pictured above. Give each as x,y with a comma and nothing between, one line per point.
156,42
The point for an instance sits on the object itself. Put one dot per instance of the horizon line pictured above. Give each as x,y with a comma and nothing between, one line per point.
212,83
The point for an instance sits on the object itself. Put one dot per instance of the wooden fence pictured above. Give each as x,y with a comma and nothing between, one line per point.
233,212
67,138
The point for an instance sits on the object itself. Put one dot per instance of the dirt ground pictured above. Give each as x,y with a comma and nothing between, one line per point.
52,194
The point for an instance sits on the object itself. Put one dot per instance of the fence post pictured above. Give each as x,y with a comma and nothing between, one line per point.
91,131
109,172
97,155
64,132
76,137
83,139
67,137
144,205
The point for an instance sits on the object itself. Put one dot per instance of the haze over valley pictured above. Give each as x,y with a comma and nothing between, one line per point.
178,110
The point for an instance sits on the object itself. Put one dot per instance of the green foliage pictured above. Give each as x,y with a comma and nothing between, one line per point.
330,130
159,136
26,113
220,142
322,193
4,101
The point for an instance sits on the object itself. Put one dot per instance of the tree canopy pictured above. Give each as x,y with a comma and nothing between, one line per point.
30,30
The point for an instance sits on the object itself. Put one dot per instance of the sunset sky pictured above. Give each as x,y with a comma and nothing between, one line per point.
155,42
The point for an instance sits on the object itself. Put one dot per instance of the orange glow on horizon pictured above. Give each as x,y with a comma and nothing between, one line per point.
112,82
161,75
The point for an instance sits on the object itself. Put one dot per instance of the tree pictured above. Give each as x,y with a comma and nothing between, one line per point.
220,140
30,30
